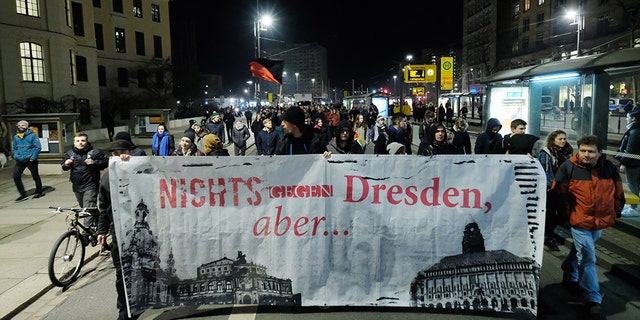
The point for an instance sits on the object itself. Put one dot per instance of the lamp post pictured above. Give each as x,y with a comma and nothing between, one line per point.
577,19
297,88
409,57
259,25
313,82
395,90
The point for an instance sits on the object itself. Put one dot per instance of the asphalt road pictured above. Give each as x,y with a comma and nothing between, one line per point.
93,296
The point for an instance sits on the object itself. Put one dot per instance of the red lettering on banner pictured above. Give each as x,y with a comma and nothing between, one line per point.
358,191
213,192
283,225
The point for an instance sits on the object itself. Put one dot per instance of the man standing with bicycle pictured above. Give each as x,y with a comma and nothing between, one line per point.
85,163
121,149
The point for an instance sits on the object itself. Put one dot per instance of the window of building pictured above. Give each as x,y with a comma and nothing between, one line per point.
525,44
123,78
525,24
32,62
97,3
72,67
78,19
540,2
139,43
137,8
540,19
117,6
81,69
102,76
28,7
99,36
602,29
155,13
159,79
157,46
120,40
142,79
539,40
527,5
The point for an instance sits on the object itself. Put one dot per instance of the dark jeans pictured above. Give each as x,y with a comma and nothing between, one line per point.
17,175
89,199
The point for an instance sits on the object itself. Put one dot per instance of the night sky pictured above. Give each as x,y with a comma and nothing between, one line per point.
362,39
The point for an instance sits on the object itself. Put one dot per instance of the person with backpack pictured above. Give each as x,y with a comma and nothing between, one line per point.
162,143
555,152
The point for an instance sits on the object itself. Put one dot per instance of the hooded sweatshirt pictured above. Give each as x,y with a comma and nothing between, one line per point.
348,146
486,140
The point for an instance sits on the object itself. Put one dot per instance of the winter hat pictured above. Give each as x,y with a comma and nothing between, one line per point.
190,134
393,147
192,122
212,142
635,114
214,114
295,116
122,135
120,145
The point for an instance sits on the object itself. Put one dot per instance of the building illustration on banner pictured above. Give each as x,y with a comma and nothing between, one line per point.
478,279
224,281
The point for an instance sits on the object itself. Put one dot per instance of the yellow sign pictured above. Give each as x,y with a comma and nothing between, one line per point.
446,73
417,90
420,73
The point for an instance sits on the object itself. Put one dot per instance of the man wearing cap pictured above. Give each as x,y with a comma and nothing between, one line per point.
200,133
121,149
299,138
216,126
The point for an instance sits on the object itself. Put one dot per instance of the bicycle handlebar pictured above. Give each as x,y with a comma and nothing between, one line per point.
76,210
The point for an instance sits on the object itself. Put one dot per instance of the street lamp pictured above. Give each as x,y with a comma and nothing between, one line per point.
259,25
297,88
409,57
313,82
577,19
395,90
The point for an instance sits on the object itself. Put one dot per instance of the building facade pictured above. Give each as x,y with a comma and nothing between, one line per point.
502,35
90,57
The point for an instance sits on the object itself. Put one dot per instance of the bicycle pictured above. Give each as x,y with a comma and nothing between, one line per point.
67,255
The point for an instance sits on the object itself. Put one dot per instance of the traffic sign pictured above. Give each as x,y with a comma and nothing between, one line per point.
415,73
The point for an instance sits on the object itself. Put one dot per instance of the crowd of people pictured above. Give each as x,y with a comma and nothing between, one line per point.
584,190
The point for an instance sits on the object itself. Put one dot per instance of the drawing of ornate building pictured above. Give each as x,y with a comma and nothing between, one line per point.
227,281
478,280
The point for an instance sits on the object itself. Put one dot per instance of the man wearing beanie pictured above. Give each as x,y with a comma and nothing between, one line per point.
299,138
135,150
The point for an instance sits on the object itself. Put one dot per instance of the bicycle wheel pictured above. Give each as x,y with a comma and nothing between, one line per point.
66,259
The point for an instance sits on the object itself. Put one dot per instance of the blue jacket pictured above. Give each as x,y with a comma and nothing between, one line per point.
26,148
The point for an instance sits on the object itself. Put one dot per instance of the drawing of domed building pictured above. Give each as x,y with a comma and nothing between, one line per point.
227,281
478,280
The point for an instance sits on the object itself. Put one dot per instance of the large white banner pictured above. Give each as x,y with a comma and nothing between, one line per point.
456,232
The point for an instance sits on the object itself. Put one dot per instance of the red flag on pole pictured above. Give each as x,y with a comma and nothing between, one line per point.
270,70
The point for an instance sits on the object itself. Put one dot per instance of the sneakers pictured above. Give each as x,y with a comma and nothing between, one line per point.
22,198
38,195
572,287
629,211
551,243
